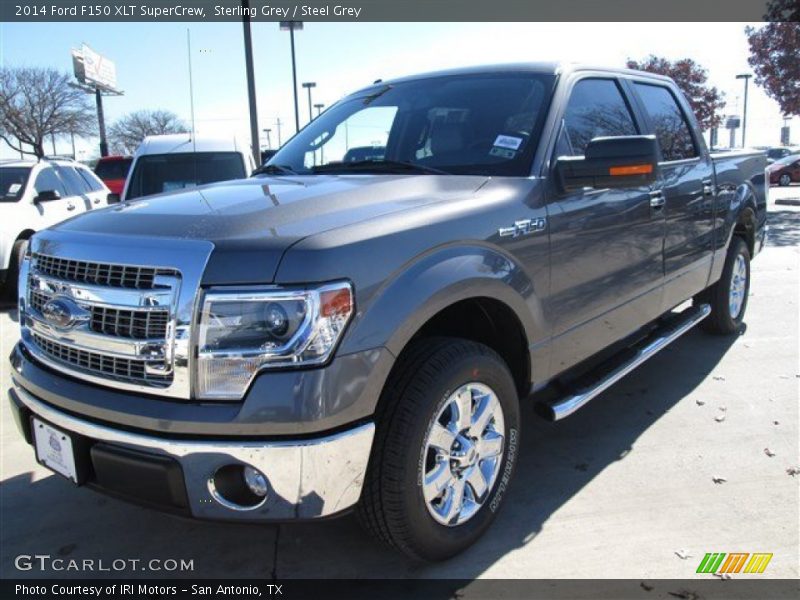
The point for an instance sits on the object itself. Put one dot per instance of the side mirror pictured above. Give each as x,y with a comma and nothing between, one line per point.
610,162
112,198
47,196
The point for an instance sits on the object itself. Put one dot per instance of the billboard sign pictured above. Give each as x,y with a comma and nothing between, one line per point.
94,69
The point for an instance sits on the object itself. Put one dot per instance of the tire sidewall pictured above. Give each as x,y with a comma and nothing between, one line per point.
435,541
739,248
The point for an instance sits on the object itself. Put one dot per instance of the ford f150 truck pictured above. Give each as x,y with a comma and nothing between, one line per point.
336,334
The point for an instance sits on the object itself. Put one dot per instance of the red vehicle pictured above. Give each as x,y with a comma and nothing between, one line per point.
113,170
785,170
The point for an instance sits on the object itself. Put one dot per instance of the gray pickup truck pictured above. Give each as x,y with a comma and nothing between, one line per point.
333,335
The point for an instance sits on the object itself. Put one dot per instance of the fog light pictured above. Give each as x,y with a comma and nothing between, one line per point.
256,481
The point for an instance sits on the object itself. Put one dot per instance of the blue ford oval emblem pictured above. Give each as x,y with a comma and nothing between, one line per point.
61,312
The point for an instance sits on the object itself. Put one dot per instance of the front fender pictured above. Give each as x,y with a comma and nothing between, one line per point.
391,315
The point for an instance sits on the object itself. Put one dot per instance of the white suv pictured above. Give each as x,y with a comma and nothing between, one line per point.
35,195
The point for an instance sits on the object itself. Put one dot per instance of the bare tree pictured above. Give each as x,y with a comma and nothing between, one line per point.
127,132
36,103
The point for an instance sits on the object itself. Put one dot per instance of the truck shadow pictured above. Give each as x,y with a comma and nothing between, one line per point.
556,461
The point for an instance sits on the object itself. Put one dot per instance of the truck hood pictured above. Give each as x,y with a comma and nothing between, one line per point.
252,222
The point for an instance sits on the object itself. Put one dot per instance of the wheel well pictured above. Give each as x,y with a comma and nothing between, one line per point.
490,322
25,235
746,228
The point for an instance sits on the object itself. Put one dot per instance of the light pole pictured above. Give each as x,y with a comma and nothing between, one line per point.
291,26
746,77
269,143
319,108
308,85
278,125
251,82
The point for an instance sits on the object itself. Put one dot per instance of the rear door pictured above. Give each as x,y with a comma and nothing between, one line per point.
98,192
687,185
53,211
606,245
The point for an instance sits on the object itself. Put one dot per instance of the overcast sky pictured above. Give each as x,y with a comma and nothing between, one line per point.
152,69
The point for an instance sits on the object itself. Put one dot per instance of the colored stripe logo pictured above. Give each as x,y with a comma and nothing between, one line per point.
734,562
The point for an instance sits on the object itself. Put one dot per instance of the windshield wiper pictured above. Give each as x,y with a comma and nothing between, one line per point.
274,170
378,165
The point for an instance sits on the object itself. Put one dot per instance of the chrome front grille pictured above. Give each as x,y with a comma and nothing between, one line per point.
112,367
125,276
134,324
113,310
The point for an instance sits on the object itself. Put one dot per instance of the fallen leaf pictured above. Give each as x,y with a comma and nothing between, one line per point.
723,408
718,479
646,587
700,402
682,554
719,378
793,471
769,452
719,418
776,423
722,575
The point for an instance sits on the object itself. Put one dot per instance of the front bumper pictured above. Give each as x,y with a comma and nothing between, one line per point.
307,479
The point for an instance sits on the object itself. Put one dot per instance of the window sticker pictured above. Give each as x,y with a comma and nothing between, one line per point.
14,188
508,141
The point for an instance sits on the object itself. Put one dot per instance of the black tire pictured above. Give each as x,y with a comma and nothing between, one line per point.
392,505
785,180
15,262
721,321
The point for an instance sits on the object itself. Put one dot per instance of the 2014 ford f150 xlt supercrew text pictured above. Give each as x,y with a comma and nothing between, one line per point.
337,333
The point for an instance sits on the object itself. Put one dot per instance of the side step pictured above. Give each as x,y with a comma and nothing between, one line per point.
682,322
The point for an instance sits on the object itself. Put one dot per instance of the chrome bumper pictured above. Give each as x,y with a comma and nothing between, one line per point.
307,478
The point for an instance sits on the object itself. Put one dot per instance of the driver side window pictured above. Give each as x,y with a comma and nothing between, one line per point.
596,108
47,180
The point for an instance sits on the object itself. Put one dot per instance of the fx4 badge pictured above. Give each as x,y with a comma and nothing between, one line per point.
524,227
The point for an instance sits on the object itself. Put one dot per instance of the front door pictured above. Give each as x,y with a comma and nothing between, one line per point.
57,210
605,245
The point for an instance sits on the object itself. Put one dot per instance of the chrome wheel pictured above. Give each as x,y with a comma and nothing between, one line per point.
785,180
462,454
738,287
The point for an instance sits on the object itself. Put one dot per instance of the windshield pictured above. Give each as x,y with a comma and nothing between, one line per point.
484,124
12,183
116,168
157,173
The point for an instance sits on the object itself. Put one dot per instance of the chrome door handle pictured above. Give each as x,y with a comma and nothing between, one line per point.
708,188
70,207
657,200
96,200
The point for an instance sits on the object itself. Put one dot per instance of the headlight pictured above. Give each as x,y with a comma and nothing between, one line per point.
244,331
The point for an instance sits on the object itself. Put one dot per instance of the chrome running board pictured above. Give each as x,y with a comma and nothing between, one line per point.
566,405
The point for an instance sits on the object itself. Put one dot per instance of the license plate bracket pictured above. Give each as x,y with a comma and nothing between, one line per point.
54,449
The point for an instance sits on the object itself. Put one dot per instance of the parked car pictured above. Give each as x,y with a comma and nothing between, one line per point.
167,163
329,336
35,194
113,170
785,170
778,153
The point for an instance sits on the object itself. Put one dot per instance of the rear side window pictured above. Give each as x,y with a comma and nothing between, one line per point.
91,180
596,108
113,169
670,125
74,182
47,180
158,173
